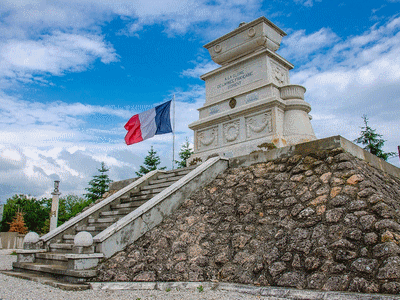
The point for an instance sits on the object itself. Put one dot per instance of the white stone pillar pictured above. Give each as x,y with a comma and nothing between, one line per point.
54,206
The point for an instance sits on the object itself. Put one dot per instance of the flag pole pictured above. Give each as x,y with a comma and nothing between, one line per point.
173,134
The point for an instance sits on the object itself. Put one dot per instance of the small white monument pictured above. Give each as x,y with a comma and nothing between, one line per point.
250,104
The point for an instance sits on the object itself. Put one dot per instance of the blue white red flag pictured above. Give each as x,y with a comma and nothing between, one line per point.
149,123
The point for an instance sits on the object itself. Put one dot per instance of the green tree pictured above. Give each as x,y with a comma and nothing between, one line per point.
373,141
35,212
99,184
151,162
68,207
184,154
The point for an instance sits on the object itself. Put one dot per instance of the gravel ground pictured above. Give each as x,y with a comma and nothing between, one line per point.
19,289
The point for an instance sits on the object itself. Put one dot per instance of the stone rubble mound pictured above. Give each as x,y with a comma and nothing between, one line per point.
326,221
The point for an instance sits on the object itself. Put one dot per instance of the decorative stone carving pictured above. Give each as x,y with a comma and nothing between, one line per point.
258,125
231,131
252,97
217,48
292,92
251,32
207,138
279,74
214,110
232,103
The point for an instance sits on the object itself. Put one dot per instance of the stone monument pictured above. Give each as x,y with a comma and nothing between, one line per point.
250,104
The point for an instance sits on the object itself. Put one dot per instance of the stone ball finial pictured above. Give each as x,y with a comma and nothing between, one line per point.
83,239
31,237
31,241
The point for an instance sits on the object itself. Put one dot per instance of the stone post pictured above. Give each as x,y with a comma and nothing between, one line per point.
54,206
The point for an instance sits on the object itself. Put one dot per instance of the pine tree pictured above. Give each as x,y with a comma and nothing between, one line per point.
151,162
18,223
184,154
99,184
373,141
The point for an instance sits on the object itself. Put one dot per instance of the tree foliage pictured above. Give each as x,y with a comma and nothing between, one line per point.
373,141
99,184
151,162
18,223
36,212
68,207
184,154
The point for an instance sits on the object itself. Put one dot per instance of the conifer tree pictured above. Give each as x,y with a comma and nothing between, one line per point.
99,184
184,154
373,141
18,223
151,162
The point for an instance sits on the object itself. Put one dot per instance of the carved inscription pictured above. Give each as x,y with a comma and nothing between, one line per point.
207,138
258,125
235,79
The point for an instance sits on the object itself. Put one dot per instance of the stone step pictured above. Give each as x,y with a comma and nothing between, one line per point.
90,228
131,205
75,276
141,196
177,172
96,224
157,185
165,180
48,280
117,213
51,258
102,220
152,191
61,247
134,198
69,237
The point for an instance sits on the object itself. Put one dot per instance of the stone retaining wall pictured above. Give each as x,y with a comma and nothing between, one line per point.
324,221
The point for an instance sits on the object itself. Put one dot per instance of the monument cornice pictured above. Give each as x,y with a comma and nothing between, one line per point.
270,53
244,28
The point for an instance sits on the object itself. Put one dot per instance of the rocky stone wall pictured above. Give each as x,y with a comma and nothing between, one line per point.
325,221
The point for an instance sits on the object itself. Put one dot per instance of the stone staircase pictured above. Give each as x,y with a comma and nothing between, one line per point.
59,255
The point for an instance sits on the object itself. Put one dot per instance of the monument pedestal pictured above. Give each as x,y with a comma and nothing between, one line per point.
250,104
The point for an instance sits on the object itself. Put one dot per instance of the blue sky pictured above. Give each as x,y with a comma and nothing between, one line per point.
74,71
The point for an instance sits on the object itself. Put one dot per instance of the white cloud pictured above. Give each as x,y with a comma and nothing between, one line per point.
41,38
356,76
52,54
201,68
300,46
307,3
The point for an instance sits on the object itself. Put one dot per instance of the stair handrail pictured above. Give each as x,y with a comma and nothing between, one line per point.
99,205
106,233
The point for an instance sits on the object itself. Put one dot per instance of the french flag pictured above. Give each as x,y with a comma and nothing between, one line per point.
149,123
